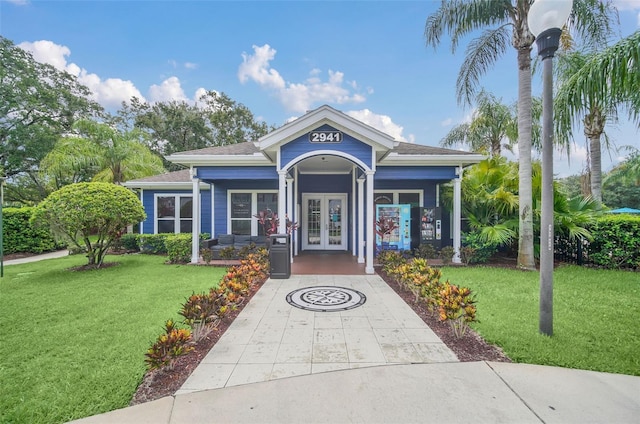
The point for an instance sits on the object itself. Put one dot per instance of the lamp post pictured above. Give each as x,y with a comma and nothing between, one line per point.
546,19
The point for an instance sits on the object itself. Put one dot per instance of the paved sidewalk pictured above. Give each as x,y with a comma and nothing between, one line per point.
272,339
50,255
377,362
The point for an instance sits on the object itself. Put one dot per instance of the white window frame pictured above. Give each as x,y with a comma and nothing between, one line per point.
177,218
254,207
396,194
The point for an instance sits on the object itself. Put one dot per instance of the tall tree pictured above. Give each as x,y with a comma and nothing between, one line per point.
177,126
38,103
492,124
496,18
592,88
105,153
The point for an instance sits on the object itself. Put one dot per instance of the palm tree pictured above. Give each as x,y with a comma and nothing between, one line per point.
593,87
491,123
504,21
102,152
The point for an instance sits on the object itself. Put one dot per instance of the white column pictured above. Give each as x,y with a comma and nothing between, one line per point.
195,223
282,201
354,240
289,181
457,208
361,181
371,239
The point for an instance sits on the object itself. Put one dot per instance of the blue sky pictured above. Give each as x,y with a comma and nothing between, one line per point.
366,58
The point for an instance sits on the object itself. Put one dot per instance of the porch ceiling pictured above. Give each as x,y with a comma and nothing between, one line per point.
325,164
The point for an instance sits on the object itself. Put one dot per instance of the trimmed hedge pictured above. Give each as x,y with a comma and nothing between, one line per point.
19,236
178,248
616,242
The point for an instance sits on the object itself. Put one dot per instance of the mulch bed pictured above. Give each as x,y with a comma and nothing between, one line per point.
165,382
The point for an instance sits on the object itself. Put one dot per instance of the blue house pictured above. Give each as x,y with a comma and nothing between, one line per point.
326,171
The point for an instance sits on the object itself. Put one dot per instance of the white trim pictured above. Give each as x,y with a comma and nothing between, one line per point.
354,246
326,152
141,230
324,204
329,116
457,215
196,213
396,193
254,159
187,185
254,207
360,221
393,159
213,210
371,238
177,218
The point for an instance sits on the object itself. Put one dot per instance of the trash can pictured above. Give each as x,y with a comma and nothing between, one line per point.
279,255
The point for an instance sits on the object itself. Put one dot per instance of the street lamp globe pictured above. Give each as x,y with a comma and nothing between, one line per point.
547,14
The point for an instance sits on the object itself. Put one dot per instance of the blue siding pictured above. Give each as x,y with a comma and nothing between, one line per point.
148,201
221,195
302,145
415,173
323,183
217,173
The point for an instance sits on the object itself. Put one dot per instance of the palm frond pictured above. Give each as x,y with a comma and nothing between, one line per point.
481,54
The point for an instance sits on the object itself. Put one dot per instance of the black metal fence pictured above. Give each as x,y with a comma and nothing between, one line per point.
572,251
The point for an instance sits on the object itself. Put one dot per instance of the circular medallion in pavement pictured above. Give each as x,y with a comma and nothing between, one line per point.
326,298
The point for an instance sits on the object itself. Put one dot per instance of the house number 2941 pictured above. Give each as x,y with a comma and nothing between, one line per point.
325,136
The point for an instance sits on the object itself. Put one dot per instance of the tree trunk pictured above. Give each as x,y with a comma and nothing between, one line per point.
526,259
593,129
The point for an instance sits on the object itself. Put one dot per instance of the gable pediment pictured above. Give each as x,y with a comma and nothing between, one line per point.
330,122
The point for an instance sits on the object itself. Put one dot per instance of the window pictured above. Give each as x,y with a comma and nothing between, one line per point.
400,197
172,219
243,205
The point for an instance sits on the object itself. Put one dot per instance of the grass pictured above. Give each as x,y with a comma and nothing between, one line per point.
73,343
595,316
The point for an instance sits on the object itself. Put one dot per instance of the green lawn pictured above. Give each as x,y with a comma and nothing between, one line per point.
72,343
596,316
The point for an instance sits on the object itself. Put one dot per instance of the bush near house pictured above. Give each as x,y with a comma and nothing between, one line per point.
452,303
19,236
202,312
616,242
89,216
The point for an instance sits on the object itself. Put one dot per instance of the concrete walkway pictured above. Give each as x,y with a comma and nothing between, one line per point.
50,255
376,362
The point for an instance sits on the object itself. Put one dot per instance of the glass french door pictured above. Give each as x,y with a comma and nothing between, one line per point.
325,223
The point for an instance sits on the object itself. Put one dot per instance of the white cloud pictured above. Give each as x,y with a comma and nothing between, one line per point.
382,123
446,122
296,97
18,2
169,89
109,93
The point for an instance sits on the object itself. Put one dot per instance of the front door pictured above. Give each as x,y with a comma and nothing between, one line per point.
325,221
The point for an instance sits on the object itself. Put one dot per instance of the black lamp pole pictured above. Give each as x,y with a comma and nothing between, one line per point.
545,19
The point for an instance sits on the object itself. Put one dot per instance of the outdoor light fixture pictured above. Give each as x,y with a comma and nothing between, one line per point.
546,19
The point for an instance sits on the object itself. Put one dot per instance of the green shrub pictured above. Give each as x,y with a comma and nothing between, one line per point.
616,242
204,308
178,248
446,254
425,251
168,346
475,250
89,215
19,235
153,244
128,242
